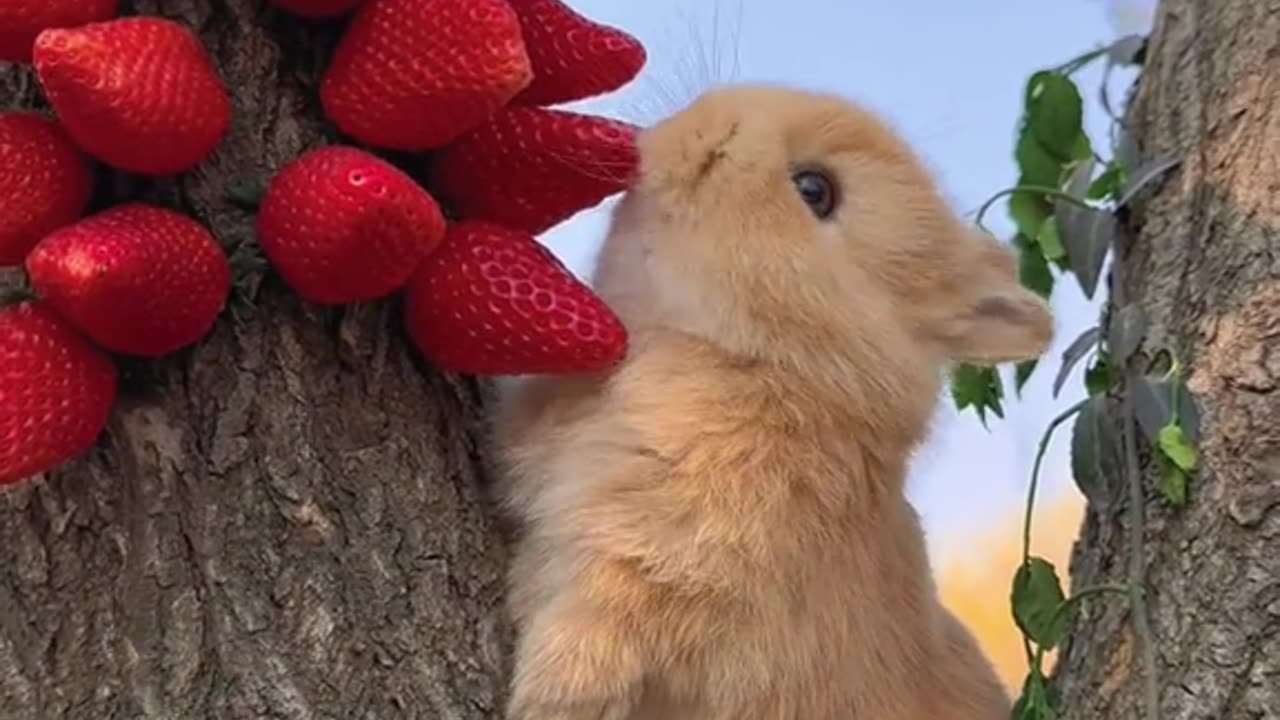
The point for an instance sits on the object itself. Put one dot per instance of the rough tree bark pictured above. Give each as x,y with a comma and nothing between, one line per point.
286,521
1204,265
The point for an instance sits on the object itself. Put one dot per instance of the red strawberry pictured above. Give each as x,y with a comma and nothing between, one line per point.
414,74
56,391
531,168
573,57
318,9
45,182
493,301
139,93
135,278
22,20
342,225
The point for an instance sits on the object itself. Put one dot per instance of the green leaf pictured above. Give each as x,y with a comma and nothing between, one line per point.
1078,179
979,388
1153,404
1055,113
1083,149
1033,271
1029,210
1037,701
1050,243
1078,348
1022,373
1094,454
1037,595
1097,377
1142,175
1173,484
1107,184
1087,234
1127,331
1173,442
1037,165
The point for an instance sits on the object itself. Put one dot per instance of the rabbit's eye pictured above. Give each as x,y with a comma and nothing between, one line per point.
818,191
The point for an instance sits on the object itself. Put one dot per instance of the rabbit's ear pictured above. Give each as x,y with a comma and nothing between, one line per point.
997,319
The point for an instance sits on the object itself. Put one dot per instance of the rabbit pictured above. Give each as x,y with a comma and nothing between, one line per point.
716,528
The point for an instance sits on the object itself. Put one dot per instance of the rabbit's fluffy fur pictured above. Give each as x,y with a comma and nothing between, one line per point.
717,529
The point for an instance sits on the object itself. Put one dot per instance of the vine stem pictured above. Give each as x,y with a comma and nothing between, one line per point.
1137,517
1137,557
1037,189
1081,595
1069,604
1074,64
1034,485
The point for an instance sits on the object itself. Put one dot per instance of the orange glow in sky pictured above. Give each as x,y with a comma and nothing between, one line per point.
976,587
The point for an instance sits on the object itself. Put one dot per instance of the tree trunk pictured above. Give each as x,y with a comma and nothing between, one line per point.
1204,265
285,521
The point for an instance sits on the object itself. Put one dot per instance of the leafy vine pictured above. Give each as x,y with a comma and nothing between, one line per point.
1068,208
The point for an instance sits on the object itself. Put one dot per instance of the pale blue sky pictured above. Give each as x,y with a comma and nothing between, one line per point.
949,75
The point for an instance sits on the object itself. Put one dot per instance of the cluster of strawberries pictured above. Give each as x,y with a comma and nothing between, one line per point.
467,82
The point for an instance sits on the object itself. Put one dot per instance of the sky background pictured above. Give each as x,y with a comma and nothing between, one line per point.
950,76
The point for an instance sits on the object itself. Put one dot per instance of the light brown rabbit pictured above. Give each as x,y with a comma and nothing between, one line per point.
717,530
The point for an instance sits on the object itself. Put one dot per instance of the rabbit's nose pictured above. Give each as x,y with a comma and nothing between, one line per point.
685,148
